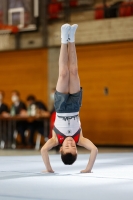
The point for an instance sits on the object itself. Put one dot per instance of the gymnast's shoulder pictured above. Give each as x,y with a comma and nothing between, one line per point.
82,139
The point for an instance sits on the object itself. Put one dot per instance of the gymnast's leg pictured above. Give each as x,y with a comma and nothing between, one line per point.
63,79
74,82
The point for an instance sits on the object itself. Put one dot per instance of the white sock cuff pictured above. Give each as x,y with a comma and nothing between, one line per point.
64,33
72,33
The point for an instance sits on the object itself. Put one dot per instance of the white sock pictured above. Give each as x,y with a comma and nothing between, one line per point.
72,32
64,33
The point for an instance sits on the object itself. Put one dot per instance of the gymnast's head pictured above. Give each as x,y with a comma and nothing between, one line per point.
68,151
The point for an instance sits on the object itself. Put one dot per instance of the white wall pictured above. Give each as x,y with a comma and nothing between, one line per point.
97,31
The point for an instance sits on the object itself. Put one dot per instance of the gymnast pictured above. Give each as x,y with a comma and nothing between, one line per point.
67,130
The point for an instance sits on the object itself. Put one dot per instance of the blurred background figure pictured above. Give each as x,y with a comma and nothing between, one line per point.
52,112
38,109
52,116
18,108
4,110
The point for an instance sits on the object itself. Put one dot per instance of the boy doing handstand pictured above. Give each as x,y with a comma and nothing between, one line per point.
68,96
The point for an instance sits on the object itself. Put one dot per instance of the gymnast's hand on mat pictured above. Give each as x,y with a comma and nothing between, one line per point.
48,171
84,142
85,171
44,152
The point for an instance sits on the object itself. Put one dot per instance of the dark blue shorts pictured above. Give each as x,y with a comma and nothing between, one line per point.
67,103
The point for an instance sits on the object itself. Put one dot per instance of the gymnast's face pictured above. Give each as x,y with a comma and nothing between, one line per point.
69,146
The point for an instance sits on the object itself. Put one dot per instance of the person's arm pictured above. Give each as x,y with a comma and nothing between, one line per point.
43,109
84,142
45,113
23,111
44,152
5,112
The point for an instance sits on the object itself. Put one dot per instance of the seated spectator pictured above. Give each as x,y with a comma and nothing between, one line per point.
114,9
19,108
4,111
73,3
38,109
54,9
99,12
126,9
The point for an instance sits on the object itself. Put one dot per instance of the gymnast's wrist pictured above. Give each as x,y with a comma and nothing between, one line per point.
49,169
88,169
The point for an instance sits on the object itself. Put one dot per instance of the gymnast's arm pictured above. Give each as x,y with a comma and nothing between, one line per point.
44,152
84,142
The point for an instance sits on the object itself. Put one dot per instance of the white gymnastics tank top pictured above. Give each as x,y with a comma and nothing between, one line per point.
67,123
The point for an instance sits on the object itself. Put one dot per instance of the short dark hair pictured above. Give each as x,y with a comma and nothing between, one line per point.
68,158
16,92
31,98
